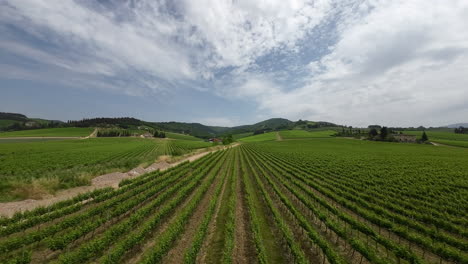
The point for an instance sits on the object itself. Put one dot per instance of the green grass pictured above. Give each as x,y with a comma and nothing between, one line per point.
436,135
25,139
260,137
241,135
30,168
181,136
455,143
51,132
297,134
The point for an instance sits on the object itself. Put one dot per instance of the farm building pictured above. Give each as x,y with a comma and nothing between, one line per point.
215,140
405,138
147,135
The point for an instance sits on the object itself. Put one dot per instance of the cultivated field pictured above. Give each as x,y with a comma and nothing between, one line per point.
260,137
319,200
301,134
446,138
181,136
30,168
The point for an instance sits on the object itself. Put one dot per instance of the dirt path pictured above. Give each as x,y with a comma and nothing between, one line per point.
107,180
92,135
278,137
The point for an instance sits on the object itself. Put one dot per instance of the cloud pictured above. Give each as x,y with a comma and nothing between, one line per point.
218,121
84,40
354,61
397,64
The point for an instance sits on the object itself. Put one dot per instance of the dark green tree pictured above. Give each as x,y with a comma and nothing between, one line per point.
383,133
373,132
227,139
424,137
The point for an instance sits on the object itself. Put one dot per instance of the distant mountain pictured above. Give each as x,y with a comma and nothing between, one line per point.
270,124
194,129
458,125
14,121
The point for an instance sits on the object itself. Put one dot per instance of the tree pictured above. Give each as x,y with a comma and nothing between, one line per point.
373,132
159,134
227,139
383,133
424,137
461,130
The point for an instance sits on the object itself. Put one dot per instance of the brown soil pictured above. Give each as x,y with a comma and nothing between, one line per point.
8,209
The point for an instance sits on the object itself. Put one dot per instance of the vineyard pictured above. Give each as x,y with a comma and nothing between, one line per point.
68,163
321,200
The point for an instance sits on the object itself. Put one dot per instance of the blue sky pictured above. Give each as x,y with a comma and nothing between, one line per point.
397,63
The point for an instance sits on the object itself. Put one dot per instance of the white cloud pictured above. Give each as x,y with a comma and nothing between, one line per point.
399,64
392,62
240,31
218,121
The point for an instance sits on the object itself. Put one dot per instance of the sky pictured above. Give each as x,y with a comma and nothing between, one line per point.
233,62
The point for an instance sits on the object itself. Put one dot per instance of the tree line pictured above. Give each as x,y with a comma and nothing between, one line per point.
461,130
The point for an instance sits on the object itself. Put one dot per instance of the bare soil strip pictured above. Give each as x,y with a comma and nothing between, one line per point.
278,137
8,209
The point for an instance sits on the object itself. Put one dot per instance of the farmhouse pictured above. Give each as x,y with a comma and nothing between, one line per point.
215,140
147,135
405,138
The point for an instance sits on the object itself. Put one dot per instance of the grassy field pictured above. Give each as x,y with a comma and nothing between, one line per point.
454,143
260,137
446,138
51,132
181,136
316,200
241,135
28,169
435,135
297,134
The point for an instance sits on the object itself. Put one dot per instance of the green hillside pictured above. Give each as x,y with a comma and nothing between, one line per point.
181,136
260,137
50,132
298,134
15,121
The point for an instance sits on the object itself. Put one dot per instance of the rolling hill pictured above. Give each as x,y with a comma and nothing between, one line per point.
15,121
